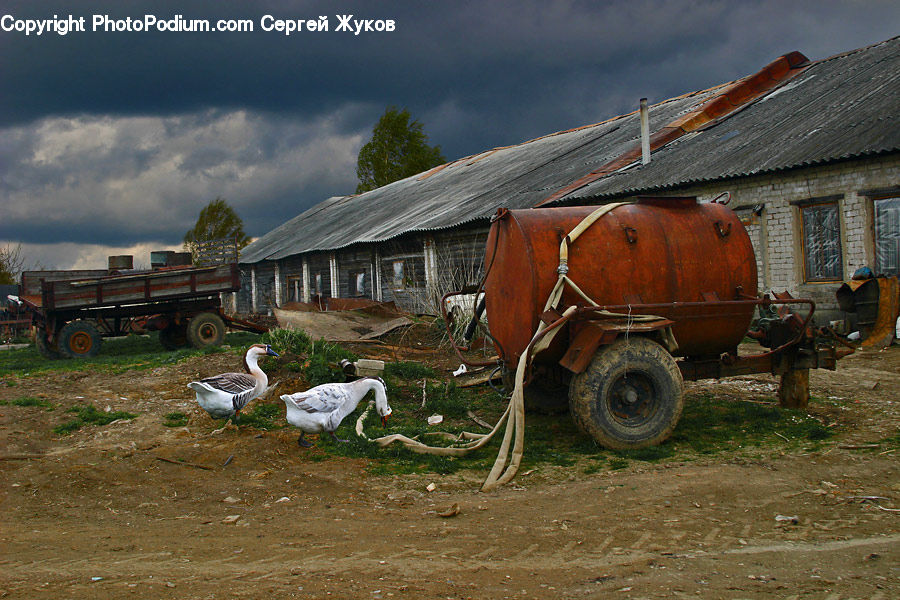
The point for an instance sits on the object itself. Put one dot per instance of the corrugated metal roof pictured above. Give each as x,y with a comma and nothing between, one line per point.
840,107
463,191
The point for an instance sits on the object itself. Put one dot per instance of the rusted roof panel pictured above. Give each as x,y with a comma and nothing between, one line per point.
838,108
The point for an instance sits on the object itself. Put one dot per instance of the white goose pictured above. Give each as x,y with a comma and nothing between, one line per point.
323,407
226,394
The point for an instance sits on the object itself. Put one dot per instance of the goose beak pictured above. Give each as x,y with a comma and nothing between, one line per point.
384,417
271,352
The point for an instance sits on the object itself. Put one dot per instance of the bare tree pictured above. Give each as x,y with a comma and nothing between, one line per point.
11,263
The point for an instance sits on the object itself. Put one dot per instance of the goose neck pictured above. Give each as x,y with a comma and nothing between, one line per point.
251,365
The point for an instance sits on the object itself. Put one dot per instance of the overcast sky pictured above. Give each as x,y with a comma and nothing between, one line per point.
111,142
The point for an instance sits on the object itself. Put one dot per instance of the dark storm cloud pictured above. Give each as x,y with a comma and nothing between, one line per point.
117,137
511,61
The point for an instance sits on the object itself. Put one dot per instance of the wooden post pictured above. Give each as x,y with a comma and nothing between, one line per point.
793,389
334,274
306,292
277,284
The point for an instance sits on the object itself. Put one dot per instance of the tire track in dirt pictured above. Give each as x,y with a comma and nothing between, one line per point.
421,562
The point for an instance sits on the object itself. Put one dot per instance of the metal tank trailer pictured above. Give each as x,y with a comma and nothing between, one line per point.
614,307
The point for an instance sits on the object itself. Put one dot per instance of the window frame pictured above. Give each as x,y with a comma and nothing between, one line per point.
875,199
820,204
353,284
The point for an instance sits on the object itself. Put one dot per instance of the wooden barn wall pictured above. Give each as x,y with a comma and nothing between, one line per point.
402,265
244,305
350,264
460,258
320,264
265,286
291,273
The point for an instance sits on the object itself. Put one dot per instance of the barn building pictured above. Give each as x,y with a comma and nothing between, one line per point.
807,150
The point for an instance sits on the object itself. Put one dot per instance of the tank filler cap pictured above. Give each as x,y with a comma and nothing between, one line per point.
501,213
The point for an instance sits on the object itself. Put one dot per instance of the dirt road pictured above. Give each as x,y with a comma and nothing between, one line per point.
103,513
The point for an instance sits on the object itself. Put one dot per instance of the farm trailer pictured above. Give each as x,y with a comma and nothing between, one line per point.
599,302
72,315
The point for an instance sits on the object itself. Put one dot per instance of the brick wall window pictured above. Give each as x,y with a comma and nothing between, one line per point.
822,260
887,235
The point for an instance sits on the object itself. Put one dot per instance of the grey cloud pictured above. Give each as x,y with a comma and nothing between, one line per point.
147,177
122,138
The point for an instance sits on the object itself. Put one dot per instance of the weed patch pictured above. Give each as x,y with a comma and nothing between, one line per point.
408,370
89,415
29,401
175,419
710,425
285,341
263,416
616,464
318,361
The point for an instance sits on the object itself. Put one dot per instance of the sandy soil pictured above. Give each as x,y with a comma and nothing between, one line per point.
101,514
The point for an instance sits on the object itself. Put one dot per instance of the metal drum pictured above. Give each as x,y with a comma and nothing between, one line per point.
654,251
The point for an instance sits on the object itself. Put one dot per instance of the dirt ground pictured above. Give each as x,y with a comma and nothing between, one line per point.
101,513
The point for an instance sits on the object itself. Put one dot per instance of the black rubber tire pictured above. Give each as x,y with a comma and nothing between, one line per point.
174,337
44,347
80,339
630,396
205,329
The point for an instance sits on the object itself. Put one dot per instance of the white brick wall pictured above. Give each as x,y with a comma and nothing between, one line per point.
779,253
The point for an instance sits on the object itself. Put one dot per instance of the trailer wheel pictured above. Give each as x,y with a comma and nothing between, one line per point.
79,339
206,329
43,346
174,337
630,396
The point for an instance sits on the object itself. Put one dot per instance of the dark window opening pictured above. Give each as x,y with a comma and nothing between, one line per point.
358,283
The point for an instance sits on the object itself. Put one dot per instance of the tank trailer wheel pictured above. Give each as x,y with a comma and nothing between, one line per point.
206,329
173,337
80,339
44,347
630,396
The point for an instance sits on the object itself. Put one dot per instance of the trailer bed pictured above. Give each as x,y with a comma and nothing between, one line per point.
138,288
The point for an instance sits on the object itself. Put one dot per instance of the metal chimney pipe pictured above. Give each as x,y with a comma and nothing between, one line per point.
645,132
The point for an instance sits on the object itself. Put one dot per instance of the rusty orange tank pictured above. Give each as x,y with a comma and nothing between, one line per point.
654,251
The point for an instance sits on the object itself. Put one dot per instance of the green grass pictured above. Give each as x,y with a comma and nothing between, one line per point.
710,426
28,401
318,361
287,341
322,366
407,370
87,414
264,416
175,419
116,355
